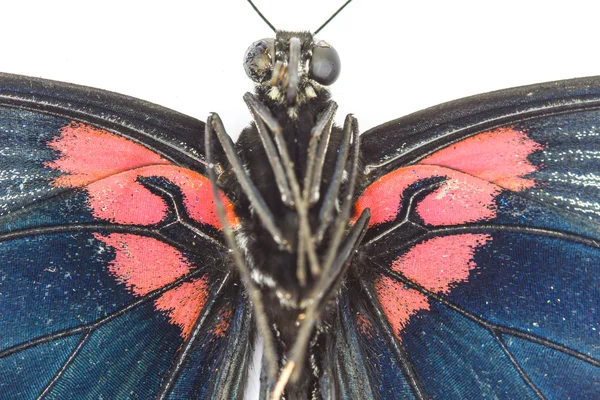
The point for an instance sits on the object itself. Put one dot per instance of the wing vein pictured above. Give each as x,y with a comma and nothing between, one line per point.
476,128
82,341
408,368
486,228
170,378
98,323
517,366
100,228
487,324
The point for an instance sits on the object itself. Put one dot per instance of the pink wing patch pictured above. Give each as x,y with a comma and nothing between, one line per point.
474,171
437,265
498,156
121,199
462,198
440,262
183,304
89,154
145,264
108,166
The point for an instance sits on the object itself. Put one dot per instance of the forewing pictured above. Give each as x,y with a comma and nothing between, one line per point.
115,282
483,249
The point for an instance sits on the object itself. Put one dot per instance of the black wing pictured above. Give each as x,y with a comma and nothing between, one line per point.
114,277
480,273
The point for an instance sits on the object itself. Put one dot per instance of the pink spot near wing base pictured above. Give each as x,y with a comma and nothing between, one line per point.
108,166
223,323
461,199
365,326
437,265
399,303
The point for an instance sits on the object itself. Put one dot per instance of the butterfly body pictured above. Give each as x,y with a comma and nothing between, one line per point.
311,141
465,244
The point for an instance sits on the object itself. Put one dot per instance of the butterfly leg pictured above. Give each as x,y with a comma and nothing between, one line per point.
214,125
336,261
258,203
315,303
317,150
350,132
306,246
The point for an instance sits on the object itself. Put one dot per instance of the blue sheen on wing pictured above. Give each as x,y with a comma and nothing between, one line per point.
458,359
24,179
65,283
25,374
538,285
126,358
547,367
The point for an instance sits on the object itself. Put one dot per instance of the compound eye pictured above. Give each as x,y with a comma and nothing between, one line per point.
325,64
258,60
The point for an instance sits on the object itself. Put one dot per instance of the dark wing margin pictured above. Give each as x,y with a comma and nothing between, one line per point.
483,254
173,135
114,281
407,139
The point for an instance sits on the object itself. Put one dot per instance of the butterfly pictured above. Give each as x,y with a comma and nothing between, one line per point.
465,266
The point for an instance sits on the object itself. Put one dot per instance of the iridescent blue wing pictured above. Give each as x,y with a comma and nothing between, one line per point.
114,279
481,267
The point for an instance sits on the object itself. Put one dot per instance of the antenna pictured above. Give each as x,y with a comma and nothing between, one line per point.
263,17
317,31
332,17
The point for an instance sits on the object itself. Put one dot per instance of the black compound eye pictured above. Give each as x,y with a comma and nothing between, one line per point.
325,64
258,60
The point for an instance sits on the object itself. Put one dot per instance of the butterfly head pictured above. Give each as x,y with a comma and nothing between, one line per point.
293,67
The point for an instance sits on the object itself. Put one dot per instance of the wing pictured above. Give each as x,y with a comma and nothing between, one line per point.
114,279
481,267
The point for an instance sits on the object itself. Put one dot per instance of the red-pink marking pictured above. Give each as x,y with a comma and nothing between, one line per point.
88,154
498,156
461,198
108,166
145,264
399,303
476,170
437,264
183,304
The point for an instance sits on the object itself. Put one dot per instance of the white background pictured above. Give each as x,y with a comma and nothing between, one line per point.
397,56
